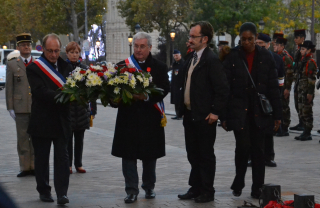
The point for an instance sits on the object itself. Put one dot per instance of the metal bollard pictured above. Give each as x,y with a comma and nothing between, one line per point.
304,201
269,192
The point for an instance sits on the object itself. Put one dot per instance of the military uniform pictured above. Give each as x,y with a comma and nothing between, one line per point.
18,100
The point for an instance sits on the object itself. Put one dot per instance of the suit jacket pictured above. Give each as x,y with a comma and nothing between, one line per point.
18,92
48,118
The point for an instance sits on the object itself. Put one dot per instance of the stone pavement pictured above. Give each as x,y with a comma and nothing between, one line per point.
103,184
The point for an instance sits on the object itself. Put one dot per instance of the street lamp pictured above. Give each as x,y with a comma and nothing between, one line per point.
137,28
4,47
98,47
261,24
172,35
130,39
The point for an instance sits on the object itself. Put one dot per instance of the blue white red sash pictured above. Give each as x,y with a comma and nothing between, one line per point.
52,73
160,105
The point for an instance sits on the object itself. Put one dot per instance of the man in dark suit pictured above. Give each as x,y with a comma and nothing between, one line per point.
138,132
204,94
50,122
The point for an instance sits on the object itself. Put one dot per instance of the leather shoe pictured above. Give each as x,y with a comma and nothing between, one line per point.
237,193
46,198
255,195
130,198
271,163
150,194
63,199
176,118
203,198
188,195
23,173
81,170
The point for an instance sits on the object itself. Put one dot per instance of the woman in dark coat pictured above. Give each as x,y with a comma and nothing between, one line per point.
80,115
243,113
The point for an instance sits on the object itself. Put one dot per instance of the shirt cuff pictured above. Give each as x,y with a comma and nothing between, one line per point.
147,99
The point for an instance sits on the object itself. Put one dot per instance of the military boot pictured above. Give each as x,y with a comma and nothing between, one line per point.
282,132
306,134
299,137
298,127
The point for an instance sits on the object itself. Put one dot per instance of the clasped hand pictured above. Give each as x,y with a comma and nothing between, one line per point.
211,118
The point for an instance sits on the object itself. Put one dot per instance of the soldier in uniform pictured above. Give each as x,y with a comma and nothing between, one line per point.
306,77
288,79
274,39
176,81
299,38
222,44
18,98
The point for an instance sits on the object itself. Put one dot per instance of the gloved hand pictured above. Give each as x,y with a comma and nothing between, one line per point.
12,114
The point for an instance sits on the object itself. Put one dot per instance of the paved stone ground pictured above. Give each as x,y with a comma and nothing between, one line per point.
103,184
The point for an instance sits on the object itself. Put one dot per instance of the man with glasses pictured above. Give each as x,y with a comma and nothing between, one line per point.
18,99
50,122
203,96
139,133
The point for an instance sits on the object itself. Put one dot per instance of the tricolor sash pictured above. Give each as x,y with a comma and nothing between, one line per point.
52,73
160,105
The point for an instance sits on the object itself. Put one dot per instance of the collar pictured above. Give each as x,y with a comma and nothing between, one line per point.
142,62
28,59
199,53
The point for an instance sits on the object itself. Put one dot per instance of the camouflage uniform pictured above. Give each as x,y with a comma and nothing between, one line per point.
288,79
297,61
307,74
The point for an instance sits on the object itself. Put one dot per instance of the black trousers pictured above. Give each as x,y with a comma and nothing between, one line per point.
200,138
130,173
177,109
269,147
61,164
249,139
78,136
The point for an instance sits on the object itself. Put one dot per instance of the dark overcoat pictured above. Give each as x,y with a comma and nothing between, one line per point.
48,118
138,133
176,81
265,77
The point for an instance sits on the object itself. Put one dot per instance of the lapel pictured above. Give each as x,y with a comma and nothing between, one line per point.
21,64
202,59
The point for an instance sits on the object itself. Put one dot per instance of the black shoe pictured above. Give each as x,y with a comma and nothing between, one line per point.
306,137
249,163
318,131
299,137
255,195
282,134
203,198
63,199
130,198
188,195
298,127
174,118
24,173
237,193
46,198
270,163
150,194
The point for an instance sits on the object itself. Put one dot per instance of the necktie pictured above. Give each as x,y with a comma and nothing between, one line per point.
55,67
26,61
195,58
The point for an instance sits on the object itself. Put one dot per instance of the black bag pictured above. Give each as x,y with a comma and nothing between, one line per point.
264,102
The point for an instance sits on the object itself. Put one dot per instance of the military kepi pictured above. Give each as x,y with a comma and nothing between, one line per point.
23,37
277,35
282,41
308,44
301,32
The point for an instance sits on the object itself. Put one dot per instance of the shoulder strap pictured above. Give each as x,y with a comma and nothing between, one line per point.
249,74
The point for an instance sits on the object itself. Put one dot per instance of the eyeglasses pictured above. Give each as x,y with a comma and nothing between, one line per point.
194,37
142,47
53,51
24,45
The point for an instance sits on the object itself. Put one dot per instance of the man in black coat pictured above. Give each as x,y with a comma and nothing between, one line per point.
138,132
176,81
203,96
49,122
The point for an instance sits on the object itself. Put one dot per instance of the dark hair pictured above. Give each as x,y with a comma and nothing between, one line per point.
206,29
248,26
51,35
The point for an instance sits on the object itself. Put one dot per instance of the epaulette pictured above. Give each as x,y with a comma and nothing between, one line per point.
12,55
12,58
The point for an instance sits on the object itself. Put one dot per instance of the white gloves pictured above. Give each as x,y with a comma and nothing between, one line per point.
12,114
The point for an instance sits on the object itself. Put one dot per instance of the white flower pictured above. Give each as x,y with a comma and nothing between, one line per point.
140,78
88,83
109,65
77,69
78,77
146,83
99,82
73,83
69,79
133,82
97,67
117,90
111,82
117,80
88,71
93,76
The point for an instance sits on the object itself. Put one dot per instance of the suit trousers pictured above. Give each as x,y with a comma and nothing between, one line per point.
42,147
130,173
24,144
78,148
177,109
249,139
200,138
269,147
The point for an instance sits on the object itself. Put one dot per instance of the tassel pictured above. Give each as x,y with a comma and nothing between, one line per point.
163,120
91,121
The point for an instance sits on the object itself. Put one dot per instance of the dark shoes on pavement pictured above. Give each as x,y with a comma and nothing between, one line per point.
150,194
46,198
63,200
298,127
188,195
198,198
236,193
255,195
26,173
130,198
305,136
176,118
271,163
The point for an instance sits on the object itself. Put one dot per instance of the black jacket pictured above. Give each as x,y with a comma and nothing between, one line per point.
176,81
208,88
48,118
243,97
279,67
138,134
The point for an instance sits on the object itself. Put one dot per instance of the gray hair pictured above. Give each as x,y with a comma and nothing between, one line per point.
51,35
143,35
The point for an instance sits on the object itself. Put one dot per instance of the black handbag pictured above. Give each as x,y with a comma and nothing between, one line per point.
264,102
